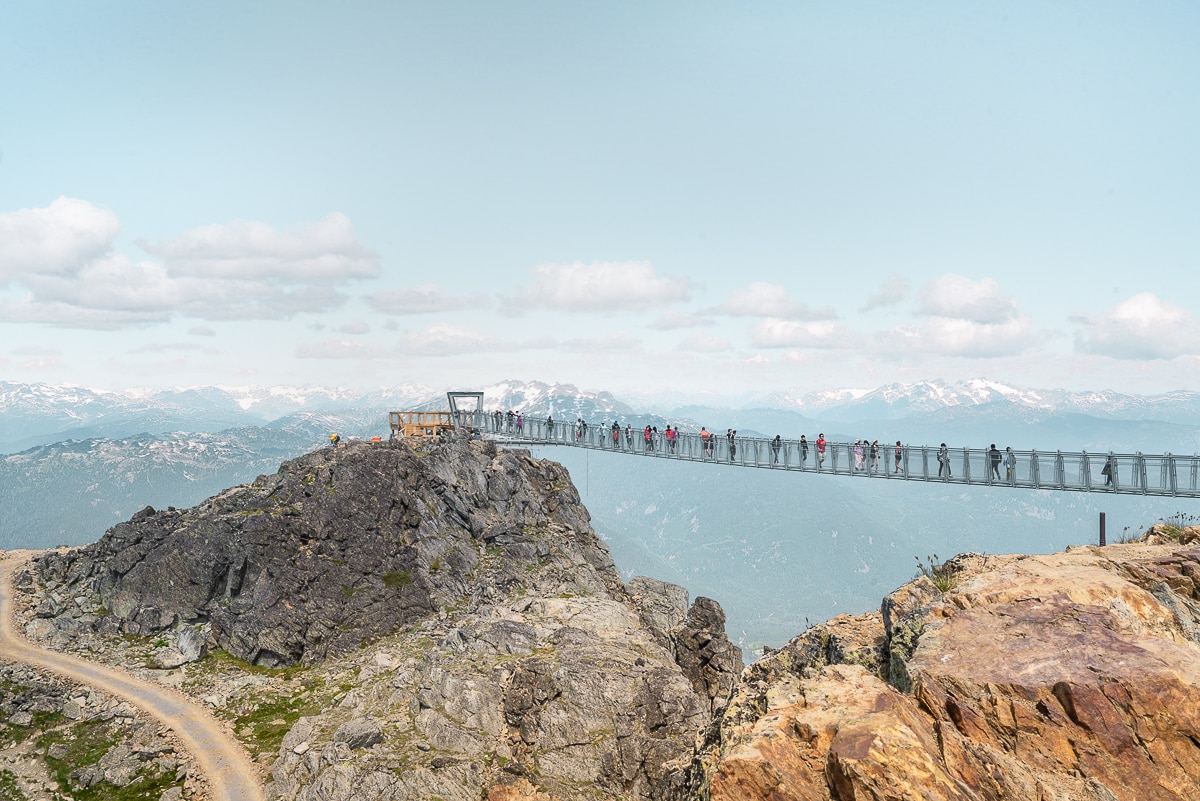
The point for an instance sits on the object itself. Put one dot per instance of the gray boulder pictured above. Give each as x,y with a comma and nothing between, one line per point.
192,643
359,733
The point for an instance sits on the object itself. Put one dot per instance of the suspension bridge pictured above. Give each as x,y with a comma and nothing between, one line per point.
1117,473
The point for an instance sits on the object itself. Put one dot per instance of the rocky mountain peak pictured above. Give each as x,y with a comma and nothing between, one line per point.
346,544
481,636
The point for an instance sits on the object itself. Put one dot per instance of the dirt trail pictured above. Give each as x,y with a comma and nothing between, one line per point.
229,772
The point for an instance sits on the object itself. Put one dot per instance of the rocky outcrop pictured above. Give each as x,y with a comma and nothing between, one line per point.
63,740
485,644
1070,676
345,545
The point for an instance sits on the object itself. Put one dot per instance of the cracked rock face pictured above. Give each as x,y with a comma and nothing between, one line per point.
1072,675
343,545
484,642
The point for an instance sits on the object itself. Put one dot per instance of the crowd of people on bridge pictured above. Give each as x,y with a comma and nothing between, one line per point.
867,456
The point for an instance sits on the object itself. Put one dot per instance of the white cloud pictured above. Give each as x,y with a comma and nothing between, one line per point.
111,282
312,253
894,290
598,287
62,257
762,299
424,300
355,328
47,363
161,347
201,331
619,341
1142,327
54,240
957,337
960,298
674,319
702,343
65,315
776,333
965,318
341,349
35,351
441,339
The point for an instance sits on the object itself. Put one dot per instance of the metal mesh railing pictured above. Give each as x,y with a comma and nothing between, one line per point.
1126,473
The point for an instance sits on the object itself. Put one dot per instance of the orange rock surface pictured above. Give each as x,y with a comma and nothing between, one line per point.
1073,676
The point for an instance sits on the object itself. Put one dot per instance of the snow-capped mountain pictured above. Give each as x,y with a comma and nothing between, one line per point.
37,414
563,401
895,401
740,535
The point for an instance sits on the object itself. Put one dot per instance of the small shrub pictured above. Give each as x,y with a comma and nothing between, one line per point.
942,575
1170,532
1171,528
397,579
8,787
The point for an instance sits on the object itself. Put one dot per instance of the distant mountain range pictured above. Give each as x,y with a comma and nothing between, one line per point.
896,401
967,412
78,461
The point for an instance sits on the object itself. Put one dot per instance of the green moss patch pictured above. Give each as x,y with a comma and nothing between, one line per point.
85,744
261,723
396,579
8,787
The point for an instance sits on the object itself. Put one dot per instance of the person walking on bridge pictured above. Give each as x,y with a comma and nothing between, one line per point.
995,458
706,441
672,435
943,457
899,454
775,443
731,435
803,450
820,450
616,434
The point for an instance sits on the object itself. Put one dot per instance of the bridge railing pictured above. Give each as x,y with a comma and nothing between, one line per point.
1129,473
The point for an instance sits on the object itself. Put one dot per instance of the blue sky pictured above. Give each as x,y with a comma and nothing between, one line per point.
697,197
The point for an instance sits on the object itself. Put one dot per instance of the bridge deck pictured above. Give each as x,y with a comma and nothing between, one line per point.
1131,473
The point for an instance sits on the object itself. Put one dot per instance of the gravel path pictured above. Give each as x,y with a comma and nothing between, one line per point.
229,774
